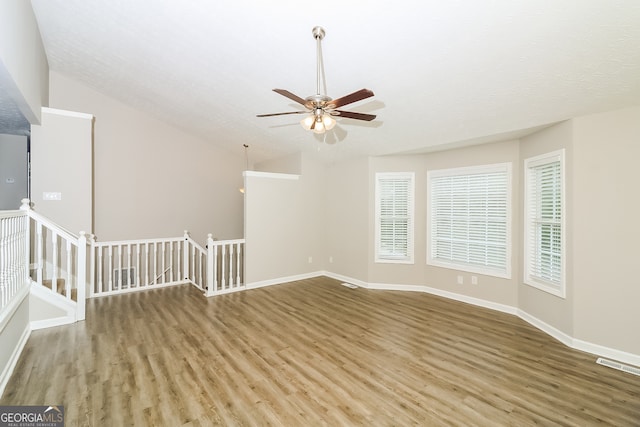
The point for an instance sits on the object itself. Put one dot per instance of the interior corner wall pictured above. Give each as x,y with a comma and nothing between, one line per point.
552,310
347,237
283,225
22,55
419,274
606,232
153,180
61,159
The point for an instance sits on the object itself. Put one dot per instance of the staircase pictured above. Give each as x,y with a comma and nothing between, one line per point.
60,269
47,273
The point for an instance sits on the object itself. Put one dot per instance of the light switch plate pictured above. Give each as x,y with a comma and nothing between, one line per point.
48,195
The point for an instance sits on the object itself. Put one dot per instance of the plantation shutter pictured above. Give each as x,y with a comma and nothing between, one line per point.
469,219
394,216
545,223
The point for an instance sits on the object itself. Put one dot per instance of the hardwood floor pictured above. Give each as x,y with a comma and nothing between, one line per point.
313,353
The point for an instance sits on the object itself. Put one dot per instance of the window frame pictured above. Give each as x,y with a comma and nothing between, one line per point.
557,289
506,168
384,258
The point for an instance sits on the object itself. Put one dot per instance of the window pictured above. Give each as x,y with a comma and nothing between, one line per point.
544,222
469,219
394,217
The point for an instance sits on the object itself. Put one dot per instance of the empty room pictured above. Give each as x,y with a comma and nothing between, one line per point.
346,213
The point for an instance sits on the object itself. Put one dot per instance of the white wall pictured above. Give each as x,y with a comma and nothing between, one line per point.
550,309
284,216
153,180
13,171
350,223
22,56
61,161
606,229
346,226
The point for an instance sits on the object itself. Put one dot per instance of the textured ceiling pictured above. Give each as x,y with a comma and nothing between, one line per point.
443,72
12,121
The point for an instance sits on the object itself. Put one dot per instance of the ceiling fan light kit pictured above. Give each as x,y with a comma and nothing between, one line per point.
320,108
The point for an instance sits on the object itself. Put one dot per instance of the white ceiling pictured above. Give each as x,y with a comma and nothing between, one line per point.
443,72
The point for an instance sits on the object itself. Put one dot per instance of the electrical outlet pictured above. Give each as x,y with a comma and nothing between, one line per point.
330,260
460,280
310,260
474,280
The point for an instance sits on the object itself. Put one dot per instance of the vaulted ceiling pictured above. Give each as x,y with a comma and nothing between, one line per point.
443,72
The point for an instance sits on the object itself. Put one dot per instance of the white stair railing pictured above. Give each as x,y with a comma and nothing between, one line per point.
225,266
14,256
57,263
33,249
133,265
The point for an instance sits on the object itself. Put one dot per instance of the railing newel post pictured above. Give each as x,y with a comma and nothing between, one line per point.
185,257
210,264
91,241
82,277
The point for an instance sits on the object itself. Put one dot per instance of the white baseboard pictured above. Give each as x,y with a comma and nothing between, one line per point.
446,294
282,280
13,360
595,349
347,279
606,352
546,328
49,323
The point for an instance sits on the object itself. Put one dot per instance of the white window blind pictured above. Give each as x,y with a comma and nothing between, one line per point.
544,226
469,219
394,217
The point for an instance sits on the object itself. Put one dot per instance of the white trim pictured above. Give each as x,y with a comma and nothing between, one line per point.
595,349
67,113
546,328
530,163
257,174
143,288
225,291
609,353
13,360
377,257
47,295
60,301
49,323
282,280
504,167
446,294
347,279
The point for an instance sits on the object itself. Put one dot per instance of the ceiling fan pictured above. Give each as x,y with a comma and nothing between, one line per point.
320,108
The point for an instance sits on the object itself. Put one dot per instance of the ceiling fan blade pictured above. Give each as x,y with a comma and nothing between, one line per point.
281,114
353,115
352,97
290,95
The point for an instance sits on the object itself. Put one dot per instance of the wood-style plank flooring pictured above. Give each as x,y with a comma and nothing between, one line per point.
313,353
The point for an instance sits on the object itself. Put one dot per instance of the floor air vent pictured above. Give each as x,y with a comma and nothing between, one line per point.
349,285
618,366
